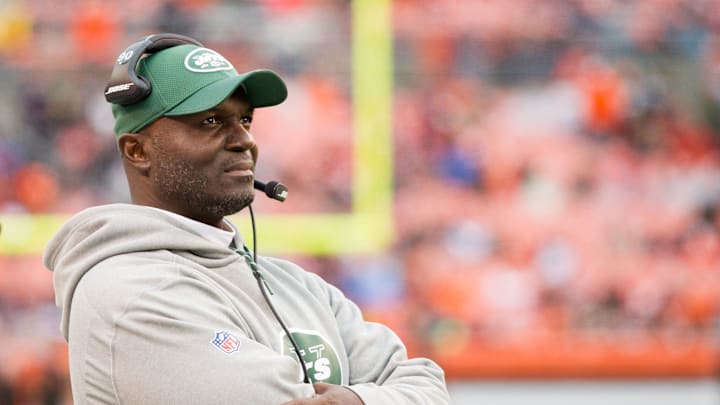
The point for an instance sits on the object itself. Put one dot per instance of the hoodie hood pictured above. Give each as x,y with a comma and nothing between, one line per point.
98,233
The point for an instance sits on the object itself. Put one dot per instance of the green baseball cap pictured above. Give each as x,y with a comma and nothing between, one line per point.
188,79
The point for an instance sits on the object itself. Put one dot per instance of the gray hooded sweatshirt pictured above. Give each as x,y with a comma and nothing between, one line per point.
154,313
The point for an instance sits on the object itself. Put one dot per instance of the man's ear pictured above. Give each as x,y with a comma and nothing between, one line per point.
133,151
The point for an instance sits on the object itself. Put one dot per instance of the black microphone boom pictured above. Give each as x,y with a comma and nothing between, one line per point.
273,189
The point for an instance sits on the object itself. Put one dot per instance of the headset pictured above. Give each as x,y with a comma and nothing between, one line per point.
125,86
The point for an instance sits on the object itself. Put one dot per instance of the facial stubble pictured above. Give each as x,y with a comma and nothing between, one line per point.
179,182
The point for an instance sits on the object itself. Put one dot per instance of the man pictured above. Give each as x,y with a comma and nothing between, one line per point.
162,304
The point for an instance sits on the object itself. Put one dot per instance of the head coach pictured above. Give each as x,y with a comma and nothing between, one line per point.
162,302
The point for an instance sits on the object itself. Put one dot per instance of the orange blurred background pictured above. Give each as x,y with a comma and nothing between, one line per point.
556,171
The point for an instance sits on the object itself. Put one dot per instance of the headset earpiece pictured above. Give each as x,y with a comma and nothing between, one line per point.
125,86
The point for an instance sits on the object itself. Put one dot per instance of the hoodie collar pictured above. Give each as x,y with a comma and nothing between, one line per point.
208,232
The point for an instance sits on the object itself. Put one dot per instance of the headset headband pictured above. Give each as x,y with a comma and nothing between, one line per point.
125,86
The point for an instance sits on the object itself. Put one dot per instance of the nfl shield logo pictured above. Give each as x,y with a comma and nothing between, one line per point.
226,341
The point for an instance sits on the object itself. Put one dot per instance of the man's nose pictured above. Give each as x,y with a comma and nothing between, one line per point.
239,136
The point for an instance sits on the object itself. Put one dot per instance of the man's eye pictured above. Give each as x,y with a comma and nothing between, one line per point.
212,121
246,120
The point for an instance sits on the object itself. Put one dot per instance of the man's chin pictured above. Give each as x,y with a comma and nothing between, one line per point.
234,204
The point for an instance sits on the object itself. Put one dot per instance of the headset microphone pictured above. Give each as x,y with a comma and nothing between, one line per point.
273,189
276,191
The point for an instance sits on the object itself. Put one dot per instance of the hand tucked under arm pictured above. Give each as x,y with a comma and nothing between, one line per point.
329,394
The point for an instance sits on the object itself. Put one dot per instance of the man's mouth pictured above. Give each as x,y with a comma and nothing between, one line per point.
240,169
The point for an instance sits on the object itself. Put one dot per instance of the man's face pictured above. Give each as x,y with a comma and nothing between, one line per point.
202,165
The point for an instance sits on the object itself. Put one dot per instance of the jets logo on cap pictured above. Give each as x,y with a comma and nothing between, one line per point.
205,60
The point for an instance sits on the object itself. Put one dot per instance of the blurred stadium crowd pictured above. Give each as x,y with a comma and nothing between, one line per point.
556,161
